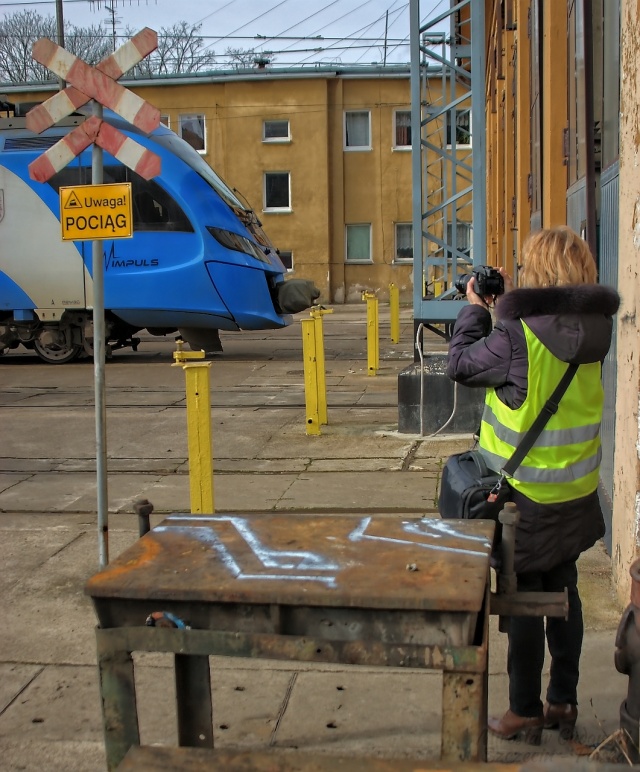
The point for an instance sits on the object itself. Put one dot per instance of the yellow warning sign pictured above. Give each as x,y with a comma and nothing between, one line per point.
91,212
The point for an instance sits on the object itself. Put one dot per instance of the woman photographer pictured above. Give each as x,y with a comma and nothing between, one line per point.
558,316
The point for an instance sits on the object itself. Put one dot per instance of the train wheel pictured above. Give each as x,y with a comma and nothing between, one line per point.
55,346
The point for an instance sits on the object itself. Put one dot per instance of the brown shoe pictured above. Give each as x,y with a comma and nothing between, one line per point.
562,716
512,726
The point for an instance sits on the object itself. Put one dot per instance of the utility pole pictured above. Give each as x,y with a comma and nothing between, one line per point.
386,30
60,37
112,20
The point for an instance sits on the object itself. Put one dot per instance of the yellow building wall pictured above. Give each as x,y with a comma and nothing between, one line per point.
330,187
376,187
508,135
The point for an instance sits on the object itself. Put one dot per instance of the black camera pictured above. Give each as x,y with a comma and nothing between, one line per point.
488,281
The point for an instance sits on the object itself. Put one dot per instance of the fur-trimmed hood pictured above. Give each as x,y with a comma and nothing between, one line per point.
573,299
573,322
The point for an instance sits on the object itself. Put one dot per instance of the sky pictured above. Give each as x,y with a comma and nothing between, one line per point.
351,31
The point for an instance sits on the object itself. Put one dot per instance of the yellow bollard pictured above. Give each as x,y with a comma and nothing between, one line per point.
317,312
310,361
394,310
198,428
373,336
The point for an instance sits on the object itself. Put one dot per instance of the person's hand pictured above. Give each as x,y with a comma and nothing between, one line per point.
474,298
508,280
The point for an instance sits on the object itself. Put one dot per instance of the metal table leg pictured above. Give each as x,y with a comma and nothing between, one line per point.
193,701
119,707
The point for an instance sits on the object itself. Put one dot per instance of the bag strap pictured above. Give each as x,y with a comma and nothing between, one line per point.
549,409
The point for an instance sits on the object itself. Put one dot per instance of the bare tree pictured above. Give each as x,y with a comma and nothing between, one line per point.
18,33
180,50
241,58
91,44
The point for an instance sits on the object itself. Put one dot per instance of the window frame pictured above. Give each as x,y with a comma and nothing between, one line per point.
352,261
165,120
276,140
275,209
288,252
395,144
462,226
356,148
198,116
397,258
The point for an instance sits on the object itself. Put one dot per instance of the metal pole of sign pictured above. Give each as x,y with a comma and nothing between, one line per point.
103,90
97,178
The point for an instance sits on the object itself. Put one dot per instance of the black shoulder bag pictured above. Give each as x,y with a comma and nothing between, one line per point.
469,489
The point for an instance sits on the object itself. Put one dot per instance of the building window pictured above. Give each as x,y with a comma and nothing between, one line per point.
402,126
287,259
275,131
192,130
463,128
463,237
164,119
358,248
277,191
357,130
404,242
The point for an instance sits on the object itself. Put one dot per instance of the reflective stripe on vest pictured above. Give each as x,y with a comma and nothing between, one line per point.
564,461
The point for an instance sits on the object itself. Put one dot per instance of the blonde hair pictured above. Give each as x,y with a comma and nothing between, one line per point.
556,256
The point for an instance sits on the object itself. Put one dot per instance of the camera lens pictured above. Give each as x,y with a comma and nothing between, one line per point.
462,282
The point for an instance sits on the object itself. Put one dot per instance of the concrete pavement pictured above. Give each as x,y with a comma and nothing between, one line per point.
263,461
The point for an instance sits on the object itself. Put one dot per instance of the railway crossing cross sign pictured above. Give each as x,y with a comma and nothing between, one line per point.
98,83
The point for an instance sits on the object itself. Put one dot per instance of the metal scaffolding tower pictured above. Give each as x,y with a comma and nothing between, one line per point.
448,148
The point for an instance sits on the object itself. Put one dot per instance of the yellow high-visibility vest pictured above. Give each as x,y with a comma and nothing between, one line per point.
564,462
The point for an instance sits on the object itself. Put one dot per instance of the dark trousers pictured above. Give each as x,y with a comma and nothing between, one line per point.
527,645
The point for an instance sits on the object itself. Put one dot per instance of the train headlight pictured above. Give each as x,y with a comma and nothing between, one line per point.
232,240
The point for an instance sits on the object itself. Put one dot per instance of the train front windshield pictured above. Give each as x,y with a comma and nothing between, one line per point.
192,158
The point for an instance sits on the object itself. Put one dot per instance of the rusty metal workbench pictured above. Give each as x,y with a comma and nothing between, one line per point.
342,589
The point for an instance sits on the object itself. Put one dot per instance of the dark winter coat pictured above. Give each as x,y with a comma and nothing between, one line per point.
575,324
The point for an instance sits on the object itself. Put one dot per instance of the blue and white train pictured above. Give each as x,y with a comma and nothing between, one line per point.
198,261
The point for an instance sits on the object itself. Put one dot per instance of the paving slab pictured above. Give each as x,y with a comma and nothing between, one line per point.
27,465
334,442
353,491
355,465
24,551
9,480
259,465
396,713
14,679
52,756
231,492
264,461
247,709
53,492
47,617
161,466
40,713
442,446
